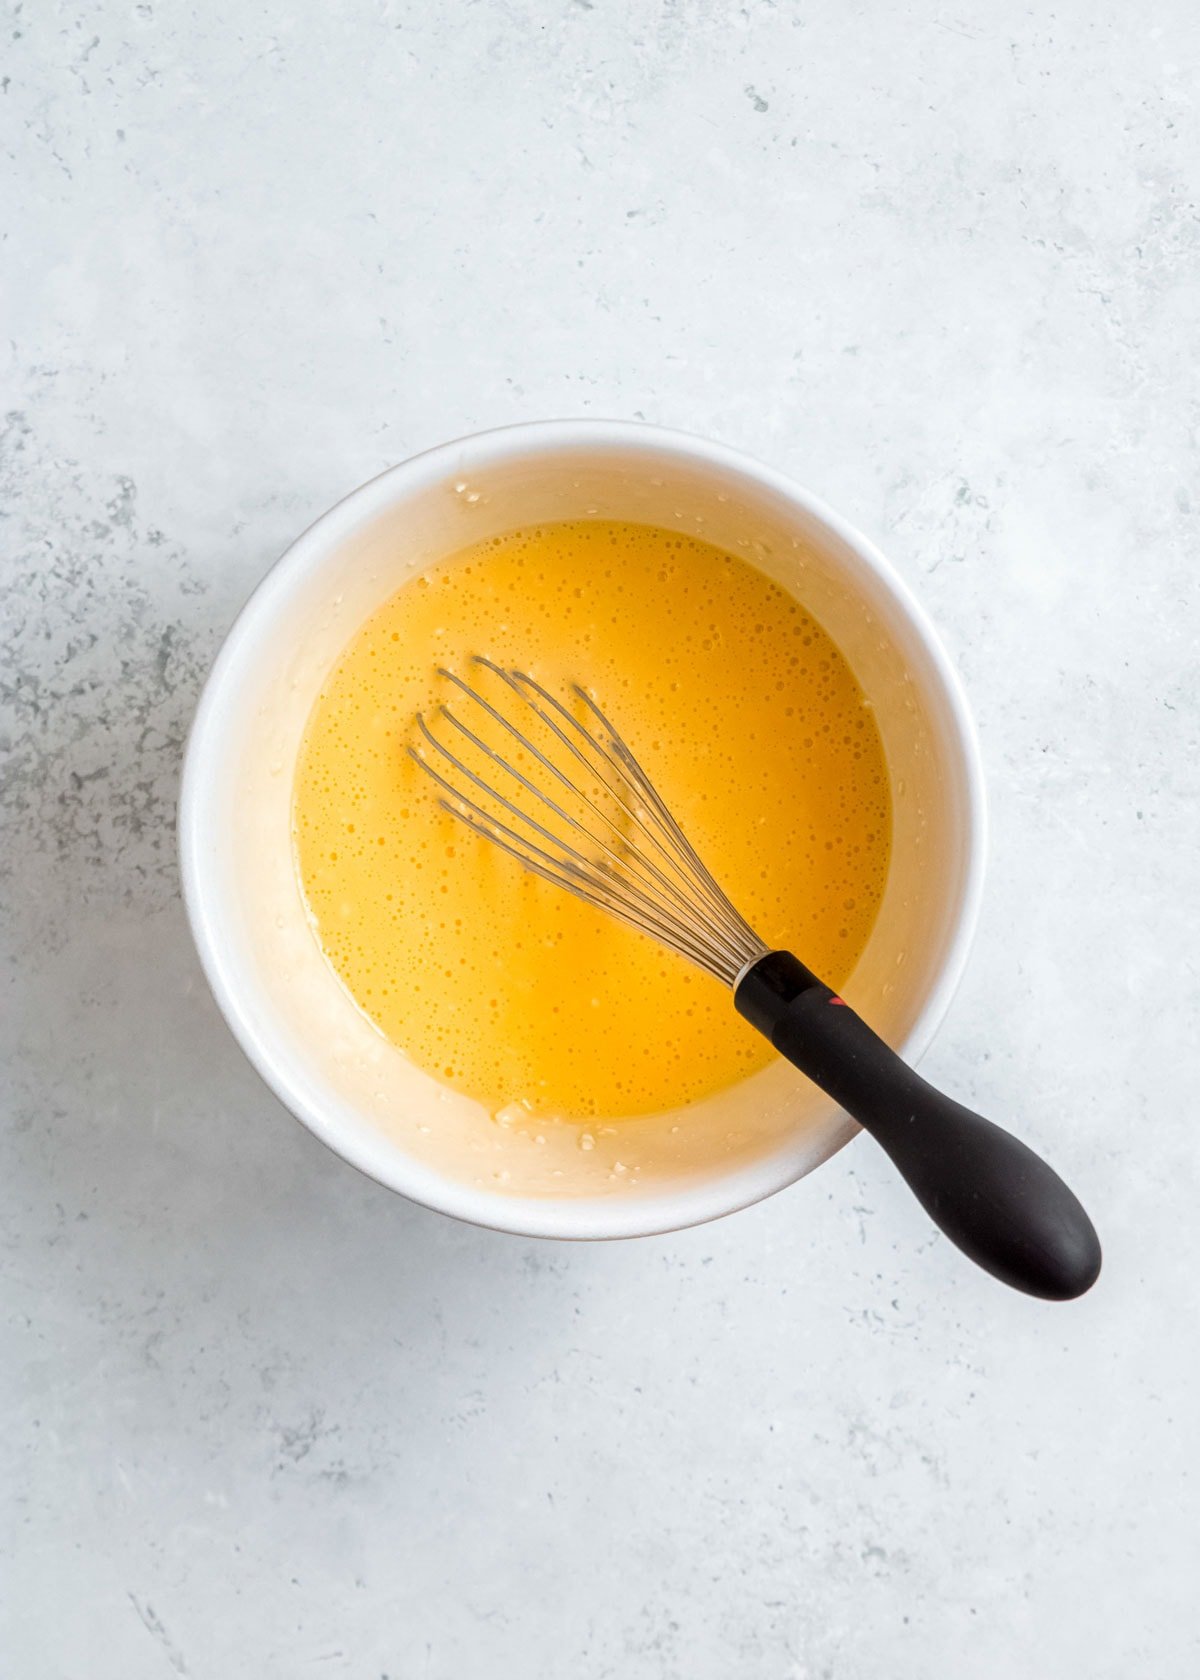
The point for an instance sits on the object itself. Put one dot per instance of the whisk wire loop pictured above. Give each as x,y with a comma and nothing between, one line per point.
634,862
724,923
612,855
572,871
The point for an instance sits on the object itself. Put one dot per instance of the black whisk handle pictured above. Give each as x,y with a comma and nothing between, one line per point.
991,1195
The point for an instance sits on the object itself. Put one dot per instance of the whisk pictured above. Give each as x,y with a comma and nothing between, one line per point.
562,793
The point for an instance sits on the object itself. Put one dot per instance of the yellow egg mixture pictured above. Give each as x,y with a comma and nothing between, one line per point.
739,707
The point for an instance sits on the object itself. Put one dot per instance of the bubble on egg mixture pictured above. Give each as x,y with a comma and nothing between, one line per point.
743,712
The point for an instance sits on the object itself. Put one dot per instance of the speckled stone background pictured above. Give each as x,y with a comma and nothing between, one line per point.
264,1420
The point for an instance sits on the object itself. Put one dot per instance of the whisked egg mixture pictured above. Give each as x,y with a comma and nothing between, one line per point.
744,714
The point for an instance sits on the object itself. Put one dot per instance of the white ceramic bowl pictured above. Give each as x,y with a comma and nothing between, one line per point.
293,1019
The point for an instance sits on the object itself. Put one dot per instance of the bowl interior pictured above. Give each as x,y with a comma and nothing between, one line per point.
326,1061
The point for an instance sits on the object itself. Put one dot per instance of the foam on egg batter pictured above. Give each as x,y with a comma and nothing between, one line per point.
742,711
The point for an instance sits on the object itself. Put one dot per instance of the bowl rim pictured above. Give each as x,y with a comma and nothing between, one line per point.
582,1218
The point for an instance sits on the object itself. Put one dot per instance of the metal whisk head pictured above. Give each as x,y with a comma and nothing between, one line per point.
572,804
